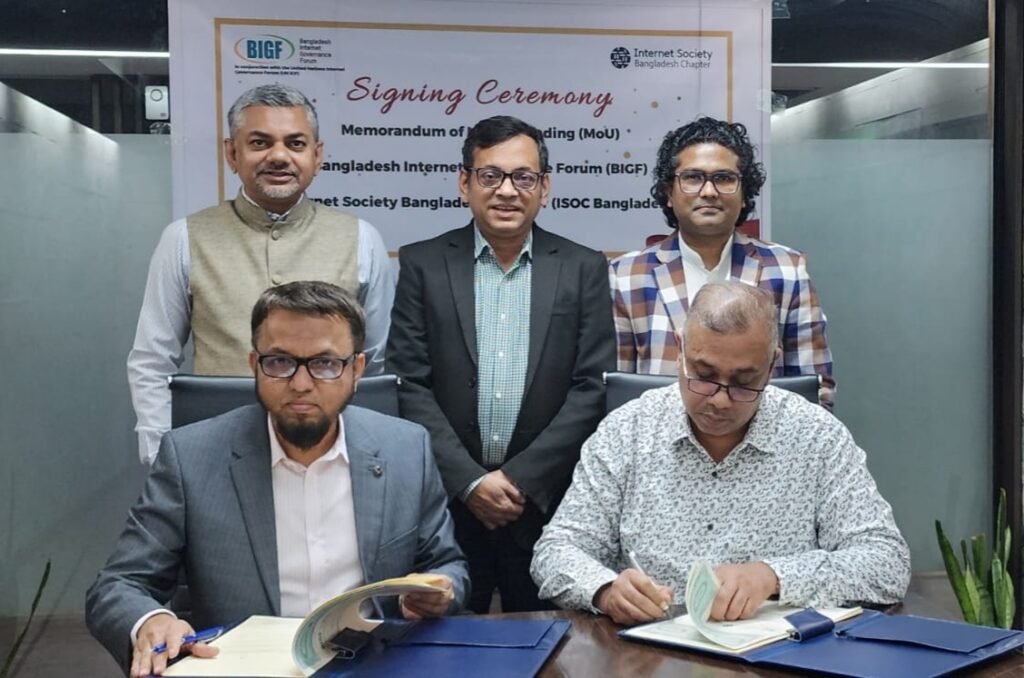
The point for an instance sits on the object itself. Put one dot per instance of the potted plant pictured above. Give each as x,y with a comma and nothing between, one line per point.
983,586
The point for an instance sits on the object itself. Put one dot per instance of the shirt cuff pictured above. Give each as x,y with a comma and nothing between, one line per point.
144,618
464,495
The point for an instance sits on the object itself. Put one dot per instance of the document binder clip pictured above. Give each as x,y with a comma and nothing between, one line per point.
808,624
348,642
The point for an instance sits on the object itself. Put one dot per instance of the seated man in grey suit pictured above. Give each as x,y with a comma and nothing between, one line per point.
275,508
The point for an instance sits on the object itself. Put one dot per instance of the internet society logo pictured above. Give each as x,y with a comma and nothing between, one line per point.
620,57
264,49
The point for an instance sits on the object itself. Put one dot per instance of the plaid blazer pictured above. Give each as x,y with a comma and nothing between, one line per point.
650,303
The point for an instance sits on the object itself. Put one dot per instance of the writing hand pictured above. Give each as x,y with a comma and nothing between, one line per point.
633,598
163,628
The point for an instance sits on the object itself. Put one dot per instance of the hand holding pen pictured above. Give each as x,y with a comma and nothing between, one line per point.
632,598
161,638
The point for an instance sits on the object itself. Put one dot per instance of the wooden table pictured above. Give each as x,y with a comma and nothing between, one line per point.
592,649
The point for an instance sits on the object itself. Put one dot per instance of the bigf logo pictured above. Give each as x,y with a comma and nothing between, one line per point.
265,48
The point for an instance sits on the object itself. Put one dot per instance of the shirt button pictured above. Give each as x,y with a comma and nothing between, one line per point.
710,527
498,396
495,437
714,474
277,279
501,354
275,234
503,316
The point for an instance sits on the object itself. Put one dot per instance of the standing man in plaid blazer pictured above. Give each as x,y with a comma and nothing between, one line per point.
706,180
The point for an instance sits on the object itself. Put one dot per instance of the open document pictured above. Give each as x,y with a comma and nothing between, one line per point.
695,629
282,647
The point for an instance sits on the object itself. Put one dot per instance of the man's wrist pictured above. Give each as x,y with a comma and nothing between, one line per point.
464,495
145,618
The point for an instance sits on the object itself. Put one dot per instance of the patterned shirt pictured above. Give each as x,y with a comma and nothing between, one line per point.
502,347
795,493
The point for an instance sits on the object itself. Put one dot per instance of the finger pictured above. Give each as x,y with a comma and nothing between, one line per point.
625,612
667,594
722,601
136,669
649,607
650,591
203,650
158,663
736,605
750,609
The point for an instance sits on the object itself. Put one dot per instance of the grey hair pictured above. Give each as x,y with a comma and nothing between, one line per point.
733,307
277,96
312,297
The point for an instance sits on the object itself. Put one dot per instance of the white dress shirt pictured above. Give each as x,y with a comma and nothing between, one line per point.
317,549
697,275
165,322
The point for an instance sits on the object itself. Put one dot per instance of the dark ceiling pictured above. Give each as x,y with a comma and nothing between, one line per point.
107,94
817,30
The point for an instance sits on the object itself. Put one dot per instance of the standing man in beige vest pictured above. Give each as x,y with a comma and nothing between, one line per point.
209,268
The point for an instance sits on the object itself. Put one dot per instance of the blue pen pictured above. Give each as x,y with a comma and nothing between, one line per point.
200,637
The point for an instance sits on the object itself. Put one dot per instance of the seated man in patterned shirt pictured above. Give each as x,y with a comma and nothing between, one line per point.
767,487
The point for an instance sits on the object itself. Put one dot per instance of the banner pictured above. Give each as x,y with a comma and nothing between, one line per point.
397,84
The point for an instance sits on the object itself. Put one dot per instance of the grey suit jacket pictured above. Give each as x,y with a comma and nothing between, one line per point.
208,505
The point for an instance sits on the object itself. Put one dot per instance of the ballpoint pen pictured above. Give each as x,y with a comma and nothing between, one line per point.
631,554
198,637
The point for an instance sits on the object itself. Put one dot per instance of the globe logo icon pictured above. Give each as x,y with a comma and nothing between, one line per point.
620,57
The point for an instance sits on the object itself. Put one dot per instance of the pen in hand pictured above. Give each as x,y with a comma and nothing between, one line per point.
198,637
631,554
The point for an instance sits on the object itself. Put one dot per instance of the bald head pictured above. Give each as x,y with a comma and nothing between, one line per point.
734,308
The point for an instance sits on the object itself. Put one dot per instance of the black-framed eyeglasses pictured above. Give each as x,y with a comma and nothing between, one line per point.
492,177
284,366
692,181
708,388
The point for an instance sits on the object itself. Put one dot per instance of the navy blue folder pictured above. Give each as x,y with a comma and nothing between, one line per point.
454,646
876,645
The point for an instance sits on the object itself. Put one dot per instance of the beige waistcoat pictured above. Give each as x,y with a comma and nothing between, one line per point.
238,251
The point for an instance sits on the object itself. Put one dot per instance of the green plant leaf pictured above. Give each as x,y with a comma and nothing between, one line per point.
973,593
1003,605
979,549
4,672
955,574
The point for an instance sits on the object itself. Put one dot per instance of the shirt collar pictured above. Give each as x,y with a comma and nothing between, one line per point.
277,455
480,244
690,255
274,216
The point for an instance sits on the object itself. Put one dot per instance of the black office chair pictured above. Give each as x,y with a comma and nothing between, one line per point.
621,387
194,397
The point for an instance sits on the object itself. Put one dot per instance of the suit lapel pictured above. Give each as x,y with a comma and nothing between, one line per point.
545,269
746,266
251,475
369,485
459,261
671,281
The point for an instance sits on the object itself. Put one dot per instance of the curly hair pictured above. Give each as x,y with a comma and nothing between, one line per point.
707,130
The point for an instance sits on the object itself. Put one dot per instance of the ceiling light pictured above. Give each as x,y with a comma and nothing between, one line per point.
94,53
886,65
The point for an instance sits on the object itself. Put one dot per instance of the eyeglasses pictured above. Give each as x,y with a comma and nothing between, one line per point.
283,366
707,388
492,177
692,181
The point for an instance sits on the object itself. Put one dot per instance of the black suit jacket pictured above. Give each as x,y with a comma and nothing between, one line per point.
432,347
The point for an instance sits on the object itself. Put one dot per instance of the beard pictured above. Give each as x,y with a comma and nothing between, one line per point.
302,434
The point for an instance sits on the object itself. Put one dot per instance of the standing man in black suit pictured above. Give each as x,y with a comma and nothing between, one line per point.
500,333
